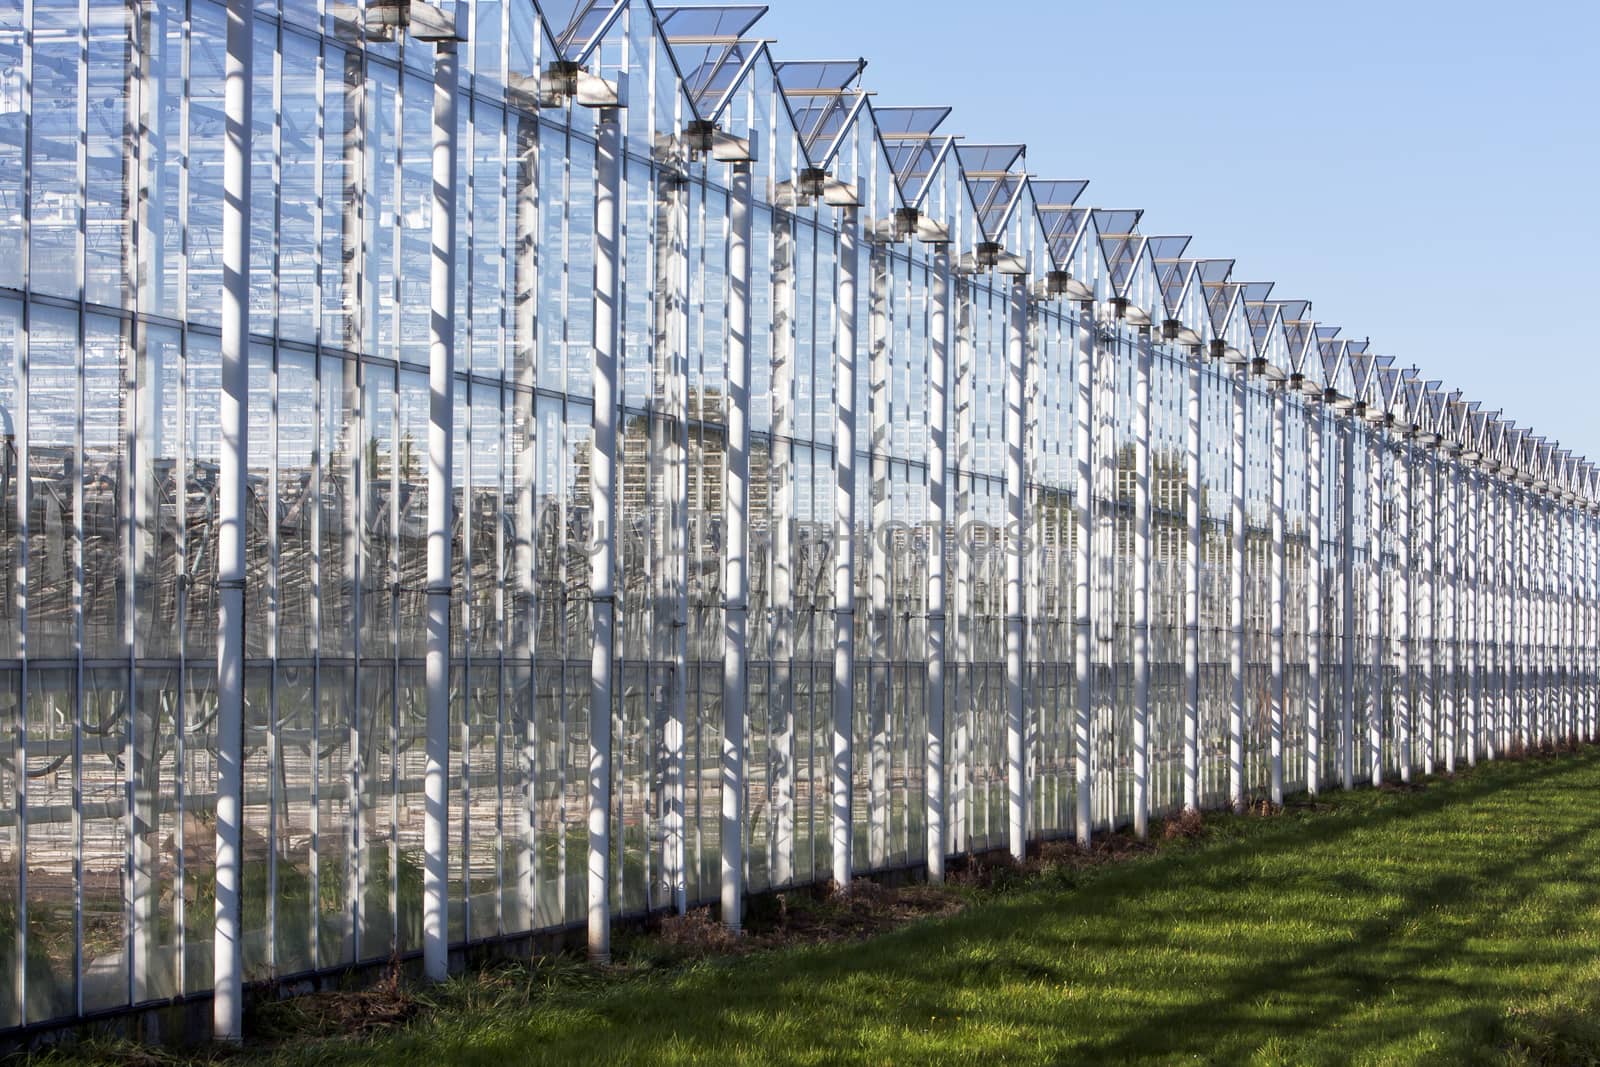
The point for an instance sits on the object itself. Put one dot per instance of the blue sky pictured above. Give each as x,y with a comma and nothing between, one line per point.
1426,173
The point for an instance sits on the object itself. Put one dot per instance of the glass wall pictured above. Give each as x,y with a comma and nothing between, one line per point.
111,273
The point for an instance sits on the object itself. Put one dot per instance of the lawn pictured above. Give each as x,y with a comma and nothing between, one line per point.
1454,923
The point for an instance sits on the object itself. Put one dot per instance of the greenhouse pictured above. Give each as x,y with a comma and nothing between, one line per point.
480,471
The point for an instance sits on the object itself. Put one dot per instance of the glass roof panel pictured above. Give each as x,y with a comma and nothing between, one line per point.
1331,352
721,24
1214,274
909,142
708,71
990,159
1361,366
706,44
1061,227
1296,328
573,22
1056,194
992,196
896,123
1120,242
812,76
819,96
913,163
1116,223
1174,275
1389,386
1167,249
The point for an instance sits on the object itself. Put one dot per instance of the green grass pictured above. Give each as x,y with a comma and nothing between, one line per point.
1457,924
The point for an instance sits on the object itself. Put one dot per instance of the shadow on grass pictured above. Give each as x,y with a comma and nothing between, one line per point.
1447,924
1418,968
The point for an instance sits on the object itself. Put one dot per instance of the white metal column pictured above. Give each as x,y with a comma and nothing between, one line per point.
441,514
1506,617
844,550
1403,607
1141,588
602,512
784,481
1517,544
938,467
1016,492
1082,561
963,692
1315,492
1347,599
1375,627
1472,579
1450,706
1191,584
880,509
1280,403
1591,637
674,846
736,545
227,1019
1427,602
1236,714
1591,573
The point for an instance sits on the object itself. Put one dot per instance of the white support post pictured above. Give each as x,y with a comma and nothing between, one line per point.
1016,492
938,468
1347,599
1591,624
1280,403
736,558
441,501
1494,706
1581,594
1505,612
143,251
602,512
1542,569
1549,576
880,508
674,822
1572,604
1236,556
1450,707
784,481
1516,651
1528,696
1403,607
525,358
1082,561
1483,521
1141,588
1425,528
1472,569
1563,618
227,1019
1535,587
1591,634
844,549
1375,664
1489,576
964,692
1537,564
1191,584
1315,492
